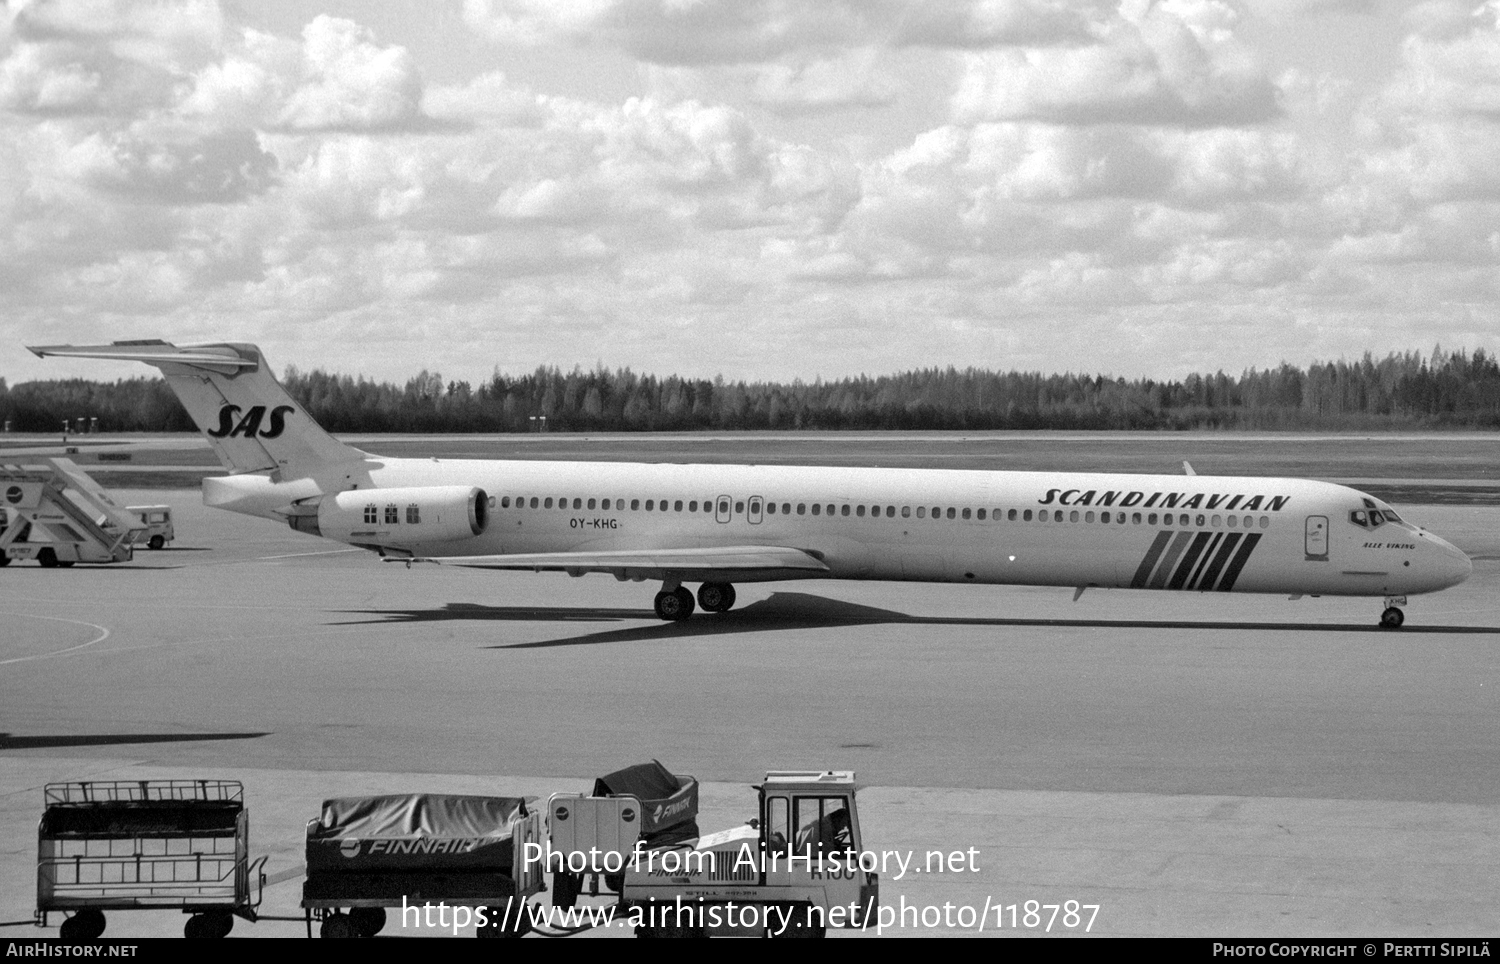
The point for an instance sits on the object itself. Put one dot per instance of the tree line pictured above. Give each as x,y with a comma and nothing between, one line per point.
1403,390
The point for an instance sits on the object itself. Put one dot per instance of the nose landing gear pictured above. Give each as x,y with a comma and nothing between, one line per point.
1393,617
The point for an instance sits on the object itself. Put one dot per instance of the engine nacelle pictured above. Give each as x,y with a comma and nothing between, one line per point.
396,517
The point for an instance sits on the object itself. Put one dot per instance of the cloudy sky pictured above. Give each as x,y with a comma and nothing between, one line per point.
758,188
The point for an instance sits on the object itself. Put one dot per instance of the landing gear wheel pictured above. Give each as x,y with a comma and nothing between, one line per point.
212,925
337,926
1392,618
84,926
716,597
46,558
674,606
156,542
367,920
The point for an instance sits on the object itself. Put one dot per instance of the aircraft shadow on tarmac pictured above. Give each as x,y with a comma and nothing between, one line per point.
784,611
11,742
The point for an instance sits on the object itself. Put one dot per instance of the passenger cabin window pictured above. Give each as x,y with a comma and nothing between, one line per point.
372,513
413,515
392,515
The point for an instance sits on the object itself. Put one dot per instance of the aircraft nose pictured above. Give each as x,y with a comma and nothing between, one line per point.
1453,565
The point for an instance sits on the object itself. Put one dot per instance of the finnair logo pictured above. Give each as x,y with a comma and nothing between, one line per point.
231,424
663,811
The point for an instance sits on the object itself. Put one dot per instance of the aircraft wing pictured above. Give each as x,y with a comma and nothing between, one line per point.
705,563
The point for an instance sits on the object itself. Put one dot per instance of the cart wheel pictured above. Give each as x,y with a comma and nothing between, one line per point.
801,921
209,925
565,889
337,926
496,924
367,920
615,882
156,542
86,925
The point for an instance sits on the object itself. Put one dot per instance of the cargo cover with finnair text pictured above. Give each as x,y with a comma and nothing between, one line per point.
414,832
669,802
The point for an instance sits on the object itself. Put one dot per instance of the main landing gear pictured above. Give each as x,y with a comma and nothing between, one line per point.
1393,617
674,603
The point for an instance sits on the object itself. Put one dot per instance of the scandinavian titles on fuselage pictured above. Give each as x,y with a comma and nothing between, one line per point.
1165,500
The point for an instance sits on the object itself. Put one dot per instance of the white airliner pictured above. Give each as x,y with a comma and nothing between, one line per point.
721,524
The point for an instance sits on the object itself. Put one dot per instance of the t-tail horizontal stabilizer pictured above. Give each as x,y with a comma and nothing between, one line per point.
231,395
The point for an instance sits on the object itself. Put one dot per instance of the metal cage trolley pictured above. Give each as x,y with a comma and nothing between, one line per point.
146,845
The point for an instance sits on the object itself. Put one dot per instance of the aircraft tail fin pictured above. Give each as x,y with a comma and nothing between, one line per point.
231,395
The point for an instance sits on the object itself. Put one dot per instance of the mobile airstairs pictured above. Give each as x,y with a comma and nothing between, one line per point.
54,513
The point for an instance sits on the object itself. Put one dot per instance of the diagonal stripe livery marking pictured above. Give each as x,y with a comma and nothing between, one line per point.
1204,559
1165,569
1152,554
1179,579
1214,568
1233,572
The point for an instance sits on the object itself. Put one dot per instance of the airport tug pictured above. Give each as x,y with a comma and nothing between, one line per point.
793,871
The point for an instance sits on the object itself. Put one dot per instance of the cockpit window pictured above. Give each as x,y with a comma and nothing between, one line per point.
1374,518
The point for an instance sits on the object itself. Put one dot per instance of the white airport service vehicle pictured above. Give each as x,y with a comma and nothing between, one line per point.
717,525
157,520
58,516
794,870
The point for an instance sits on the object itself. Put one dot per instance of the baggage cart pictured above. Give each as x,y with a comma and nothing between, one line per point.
411,851
146,845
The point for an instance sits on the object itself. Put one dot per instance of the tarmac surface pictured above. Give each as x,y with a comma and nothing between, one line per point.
1194,765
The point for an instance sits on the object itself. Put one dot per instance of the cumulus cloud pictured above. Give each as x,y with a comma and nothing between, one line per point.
1169,63
337,79
348,82
1122,164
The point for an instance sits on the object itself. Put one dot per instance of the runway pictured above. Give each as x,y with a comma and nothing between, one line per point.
1194,765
